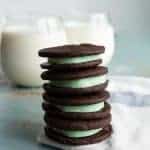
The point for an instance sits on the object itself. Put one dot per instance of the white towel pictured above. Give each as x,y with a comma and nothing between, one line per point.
130,98
131,128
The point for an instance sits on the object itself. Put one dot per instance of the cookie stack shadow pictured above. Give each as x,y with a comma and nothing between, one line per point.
75,101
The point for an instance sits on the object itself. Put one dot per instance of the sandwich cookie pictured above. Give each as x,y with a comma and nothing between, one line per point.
81,114
77,107
76,82
77,130
80,138
72,56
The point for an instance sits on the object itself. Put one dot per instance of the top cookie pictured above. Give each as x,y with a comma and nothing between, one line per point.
71,51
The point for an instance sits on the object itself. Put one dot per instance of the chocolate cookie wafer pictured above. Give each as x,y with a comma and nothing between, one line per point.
72,56
66,124
76,82
54,111
76,100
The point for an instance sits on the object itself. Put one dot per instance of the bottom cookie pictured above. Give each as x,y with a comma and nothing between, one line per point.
49,142
99,137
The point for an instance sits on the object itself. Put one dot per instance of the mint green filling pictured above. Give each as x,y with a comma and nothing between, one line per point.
83,108
79,134
74,60
80,83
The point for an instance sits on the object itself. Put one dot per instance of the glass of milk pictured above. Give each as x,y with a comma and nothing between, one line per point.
95,29
21,41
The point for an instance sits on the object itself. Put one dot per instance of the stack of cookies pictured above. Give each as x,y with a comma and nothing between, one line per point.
75,97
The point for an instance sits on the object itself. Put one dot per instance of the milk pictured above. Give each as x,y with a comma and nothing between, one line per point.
102,33
20,60
96,30
53,28
77,32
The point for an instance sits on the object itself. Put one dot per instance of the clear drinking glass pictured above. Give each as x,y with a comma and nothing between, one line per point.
22,38
93,28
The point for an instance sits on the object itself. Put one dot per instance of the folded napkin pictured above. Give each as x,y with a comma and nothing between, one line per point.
130,99
131,128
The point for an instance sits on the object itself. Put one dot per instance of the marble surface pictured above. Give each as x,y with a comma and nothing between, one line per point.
20,117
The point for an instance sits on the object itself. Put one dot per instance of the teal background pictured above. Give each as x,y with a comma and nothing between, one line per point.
132,55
